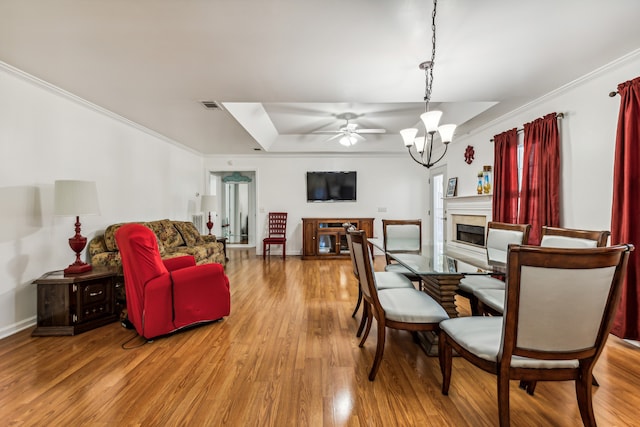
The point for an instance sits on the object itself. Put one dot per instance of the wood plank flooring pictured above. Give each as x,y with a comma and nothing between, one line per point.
286,356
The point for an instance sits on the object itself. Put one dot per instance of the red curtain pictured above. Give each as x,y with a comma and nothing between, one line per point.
540,193
625,210
505,177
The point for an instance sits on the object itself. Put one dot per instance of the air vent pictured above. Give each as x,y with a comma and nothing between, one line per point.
212,105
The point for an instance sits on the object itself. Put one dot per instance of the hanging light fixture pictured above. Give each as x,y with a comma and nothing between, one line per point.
423,145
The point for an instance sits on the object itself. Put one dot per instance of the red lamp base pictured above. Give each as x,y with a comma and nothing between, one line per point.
77,244
210,224
77,269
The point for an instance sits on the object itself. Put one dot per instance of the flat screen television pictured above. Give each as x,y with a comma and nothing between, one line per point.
331,186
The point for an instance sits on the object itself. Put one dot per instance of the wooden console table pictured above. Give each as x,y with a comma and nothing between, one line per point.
325,238
69,305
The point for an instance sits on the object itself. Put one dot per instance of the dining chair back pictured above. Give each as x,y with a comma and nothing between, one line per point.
401,236
573,238
277,233
500,235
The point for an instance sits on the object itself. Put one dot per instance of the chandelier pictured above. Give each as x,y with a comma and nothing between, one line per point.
430,119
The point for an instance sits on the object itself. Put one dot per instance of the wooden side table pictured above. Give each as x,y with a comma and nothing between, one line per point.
223,240
69,305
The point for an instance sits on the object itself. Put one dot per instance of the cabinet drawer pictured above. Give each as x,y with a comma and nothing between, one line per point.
94,311
95,292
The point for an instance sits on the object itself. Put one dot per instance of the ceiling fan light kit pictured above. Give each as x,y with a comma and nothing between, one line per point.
350,133
430,119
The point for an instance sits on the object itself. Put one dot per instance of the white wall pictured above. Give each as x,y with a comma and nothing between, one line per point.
46,135
588,133
387,187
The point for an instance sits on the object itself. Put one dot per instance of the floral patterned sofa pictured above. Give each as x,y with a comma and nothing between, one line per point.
175,238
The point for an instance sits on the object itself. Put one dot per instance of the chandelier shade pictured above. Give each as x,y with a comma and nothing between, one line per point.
431,120
408,135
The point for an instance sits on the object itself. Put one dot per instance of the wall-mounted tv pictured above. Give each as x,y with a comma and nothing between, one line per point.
331,186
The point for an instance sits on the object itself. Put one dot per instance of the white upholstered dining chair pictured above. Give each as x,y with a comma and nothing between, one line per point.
540,337
384,280
400,308
499,236
401,236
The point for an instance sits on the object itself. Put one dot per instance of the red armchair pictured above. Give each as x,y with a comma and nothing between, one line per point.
164,296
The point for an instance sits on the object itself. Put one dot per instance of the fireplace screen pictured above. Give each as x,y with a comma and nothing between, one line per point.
472,234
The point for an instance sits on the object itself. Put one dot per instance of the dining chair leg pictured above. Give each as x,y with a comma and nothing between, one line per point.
369,322
445,356
355,310
382,334
503,400
585,401
363,321
530,386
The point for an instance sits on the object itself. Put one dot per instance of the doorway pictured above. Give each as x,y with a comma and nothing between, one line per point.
438,215
238,208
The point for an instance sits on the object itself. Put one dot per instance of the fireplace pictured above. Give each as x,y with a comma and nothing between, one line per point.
467,218
472,234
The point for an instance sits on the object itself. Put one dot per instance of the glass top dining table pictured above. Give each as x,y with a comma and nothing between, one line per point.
441,271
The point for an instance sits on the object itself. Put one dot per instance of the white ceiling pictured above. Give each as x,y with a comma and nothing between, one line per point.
284,68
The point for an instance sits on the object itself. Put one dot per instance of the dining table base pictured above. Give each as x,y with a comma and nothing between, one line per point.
442,288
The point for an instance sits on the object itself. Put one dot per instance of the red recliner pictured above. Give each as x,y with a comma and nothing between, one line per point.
164,296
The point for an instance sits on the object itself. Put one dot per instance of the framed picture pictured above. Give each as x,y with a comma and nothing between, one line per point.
451,188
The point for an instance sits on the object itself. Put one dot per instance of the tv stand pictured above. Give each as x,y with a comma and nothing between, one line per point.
325,238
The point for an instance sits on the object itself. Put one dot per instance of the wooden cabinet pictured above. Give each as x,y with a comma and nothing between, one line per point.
69,305
325,238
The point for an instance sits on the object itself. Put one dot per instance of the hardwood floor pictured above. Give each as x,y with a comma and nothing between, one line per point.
286,356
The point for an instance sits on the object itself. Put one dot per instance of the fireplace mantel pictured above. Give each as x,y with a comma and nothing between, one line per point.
479,205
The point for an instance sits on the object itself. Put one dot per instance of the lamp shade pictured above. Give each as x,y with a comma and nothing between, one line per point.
431,120
74,198
446,133
420,142
408,135
208,203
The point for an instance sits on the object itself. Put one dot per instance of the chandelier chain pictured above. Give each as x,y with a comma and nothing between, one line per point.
429,70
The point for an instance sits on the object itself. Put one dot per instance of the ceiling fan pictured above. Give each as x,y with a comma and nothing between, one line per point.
350,133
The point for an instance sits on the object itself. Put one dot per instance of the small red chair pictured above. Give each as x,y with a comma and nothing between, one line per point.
277,233
164,296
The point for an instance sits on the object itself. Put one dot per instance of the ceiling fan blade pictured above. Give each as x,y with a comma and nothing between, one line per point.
370,131
335,136
359,137
327,131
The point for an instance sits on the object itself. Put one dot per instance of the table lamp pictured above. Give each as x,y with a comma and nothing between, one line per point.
209,205
75,198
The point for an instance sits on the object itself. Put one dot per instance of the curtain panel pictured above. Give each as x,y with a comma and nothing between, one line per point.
505,177
540,193
625,209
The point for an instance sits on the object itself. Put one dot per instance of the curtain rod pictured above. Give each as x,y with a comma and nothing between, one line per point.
558,116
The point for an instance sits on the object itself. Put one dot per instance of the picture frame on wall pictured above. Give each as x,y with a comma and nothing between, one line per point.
452,187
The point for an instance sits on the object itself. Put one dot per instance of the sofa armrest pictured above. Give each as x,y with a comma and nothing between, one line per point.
179,262
209,238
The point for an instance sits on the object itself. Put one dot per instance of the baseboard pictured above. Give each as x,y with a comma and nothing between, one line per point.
17,327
